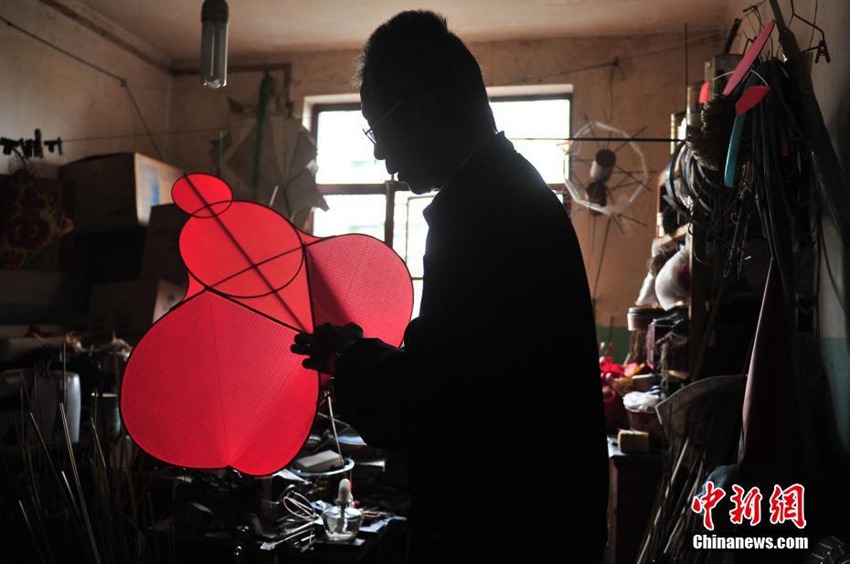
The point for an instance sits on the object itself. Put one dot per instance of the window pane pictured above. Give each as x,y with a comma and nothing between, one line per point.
417,297
537,118
410,229
351,213
343,154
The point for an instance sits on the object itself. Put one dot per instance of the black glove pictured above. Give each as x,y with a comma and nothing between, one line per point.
325,344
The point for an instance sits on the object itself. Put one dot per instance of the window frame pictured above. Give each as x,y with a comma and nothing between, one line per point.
519,93
388,190
567,94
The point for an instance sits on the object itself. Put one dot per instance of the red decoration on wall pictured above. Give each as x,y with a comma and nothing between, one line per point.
750,56
213,383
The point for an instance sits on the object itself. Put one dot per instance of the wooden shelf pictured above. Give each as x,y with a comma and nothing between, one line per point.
675,238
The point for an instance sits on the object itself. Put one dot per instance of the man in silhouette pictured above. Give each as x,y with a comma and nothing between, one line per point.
494,397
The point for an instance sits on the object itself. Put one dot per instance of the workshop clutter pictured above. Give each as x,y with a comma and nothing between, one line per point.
113,198
130,308
83,232
161,258
79,251
630,393
117,191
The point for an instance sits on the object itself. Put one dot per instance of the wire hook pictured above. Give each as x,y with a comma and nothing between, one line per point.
821,48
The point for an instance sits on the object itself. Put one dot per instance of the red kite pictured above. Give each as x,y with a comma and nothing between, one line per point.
213,383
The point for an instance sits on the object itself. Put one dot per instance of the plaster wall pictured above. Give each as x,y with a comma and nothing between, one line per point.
92,113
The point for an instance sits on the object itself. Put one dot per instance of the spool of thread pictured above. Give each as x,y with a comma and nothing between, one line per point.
603,165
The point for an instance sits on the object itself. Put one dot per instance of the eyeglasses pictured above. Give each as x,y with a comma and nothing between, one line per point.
370,133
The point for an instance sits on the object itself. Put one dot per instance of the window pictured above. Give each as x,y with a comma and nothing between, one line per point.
537,127
353,181
344,155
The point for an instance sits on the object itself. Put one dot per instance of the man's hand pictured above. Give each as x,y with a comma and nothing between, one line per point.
324,345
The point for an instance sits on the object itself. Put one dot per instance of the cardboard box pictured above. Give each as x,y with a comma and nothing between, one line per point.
128,309
32,296
162,258
102,258
117,191
99,258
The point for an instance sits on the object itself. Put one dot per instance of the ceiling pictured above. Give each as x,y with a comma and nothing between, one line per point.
266,27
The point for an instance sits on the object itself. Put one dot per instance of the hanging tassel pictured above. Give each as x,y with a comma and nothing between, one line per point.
710,142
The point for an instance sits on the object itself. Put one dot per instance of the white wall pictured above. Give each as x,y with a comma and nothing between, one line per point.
42,88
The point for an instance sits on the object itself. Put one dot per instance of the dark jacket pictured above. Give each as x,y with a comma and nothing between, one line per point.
495,396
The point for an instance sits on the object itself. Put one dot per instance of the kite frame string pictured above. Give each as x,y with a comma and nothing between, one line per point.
241,250
336,435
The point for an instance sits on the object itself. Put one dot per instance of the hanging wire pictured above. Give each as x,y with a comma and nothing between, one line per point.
142,119
227,93
63,51
609,115
754,20
757,13
158,133
821,48
814,27
121,80
615,62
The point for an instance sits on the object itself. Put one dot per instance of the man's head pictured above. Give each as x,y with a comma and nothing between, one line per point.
424,97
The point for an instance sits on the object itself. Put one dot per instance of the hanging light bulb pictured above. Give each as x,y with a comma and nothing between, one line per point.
214,16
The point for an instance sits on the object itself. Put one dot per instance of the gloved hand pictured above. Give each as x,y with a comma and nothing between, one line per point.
325,344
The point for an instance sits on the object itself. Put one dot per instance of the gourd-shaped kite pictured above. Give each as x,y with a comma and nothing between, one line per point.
213,383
